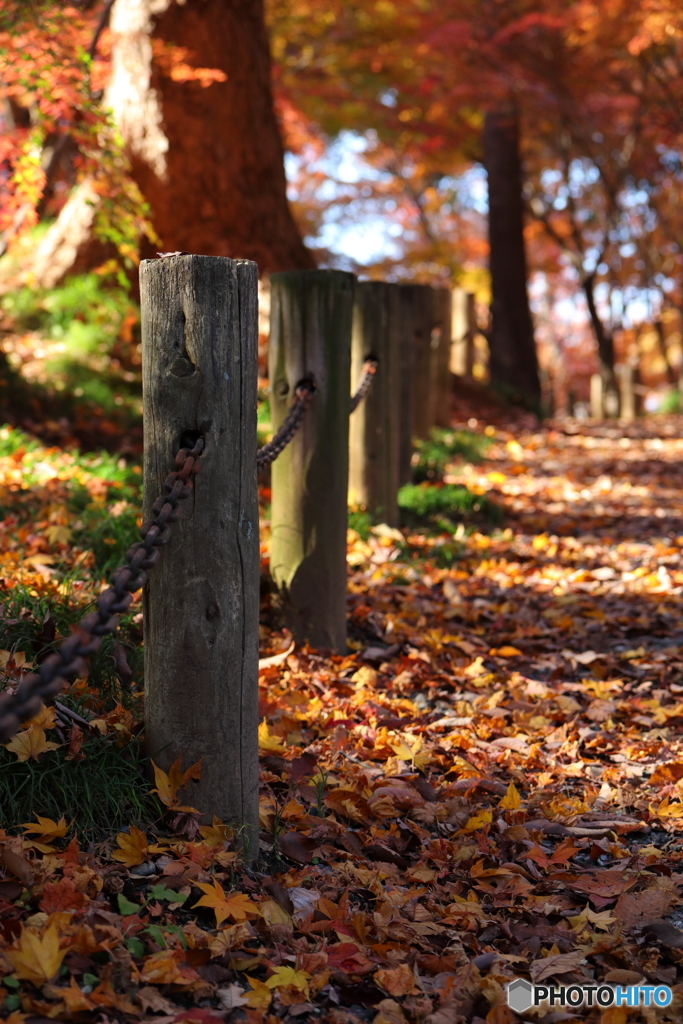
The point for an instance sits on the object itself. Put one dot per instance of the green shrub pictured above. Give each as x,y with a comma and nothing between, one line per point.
424,503
432,455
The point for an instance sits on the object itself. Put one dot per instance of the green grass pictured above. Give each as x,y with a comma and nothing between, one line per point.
444,447
361,522
441,506
102,793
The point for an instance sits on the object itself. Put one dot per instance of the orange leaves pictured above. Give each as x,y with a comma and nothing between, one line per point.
167,785
36,958
45,829
235,905
397,981
61,896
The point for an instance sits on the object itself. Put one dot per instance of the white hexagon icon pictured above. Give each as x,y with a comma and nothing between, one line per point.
520,995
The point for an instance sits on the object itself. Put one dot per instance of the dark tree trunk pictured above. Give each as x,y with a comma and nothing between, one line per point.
513,361
224,191
207,155
605,343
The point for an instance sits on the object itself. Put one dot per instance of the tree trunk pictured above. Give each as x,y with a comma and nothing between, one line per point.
199,343
513,361
207,154
605,343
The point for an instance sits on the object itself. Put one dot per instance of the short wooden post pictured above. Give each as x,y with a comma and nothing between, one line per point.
627,392
440,356
199,365
463,331
417,318
310,336
374,429
596,397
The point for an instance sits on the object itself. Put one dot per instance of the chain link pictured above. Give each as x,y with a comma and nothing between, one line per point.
303,396
369,371
72,657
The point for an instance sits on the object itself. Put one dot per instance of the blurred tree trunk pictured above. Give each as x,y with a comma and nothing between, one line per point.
205,148
513,361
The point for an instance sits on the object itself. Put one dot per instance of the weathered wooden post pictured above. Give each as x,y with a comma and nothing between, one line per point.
374,429
627,392
416,416
463,331
441,355
596,397
199,345
310,337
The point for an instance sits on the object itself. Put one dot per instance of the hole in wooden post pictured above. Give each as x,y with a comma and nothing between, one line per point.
188,438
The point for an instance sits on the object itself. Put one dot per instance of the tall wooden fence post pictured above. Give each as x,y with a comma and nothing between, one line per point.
310,336
597,408
199,342
374,429
417,317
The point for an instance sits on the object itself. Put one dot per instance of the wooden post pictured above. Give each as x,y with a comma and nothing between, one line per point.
627,392
199,362
440,356
310,336
463,331
417,318
374,429
596,397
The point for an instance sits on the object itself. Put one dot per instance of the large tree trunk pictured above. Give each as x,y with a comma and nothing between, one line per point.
207,157
513,362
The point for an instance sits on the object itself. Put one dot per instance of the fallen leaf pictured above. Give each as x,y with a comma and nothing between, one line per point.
29,745
234,905
133,848
36,958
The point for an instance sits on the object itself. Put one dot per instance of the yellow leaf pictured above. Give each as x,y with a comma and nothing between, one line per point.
505,651
58,534
272,912
133,848
483,817
45,719
235,905
30,744
267,741
260,996
512,801
283,977
169,784
46,828
216,833
35,958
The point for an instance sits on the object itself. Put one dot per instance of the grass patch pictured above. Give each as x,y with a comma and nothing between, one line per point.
103,793
444,447
442,506
361,522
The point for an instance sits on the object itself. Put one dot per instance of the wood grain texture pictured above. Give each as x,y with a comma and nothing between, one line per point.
441,355
374,429
199,338
311,314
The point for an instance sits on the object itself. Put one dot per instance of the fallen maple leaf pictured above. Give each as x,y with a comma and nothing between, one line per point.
284,977
133,849
29,745
45,719
37,958
45,828
267,741
397,981
260,996
169,783
550,966
235,905
61,896
512,801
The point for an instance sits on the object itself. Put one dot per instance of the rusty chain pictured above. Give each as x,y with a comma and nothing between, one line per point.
303,396
72,657
369,371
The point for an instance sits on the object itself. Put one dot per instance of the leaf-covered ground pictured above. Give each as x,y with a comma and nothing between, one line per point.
489,786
